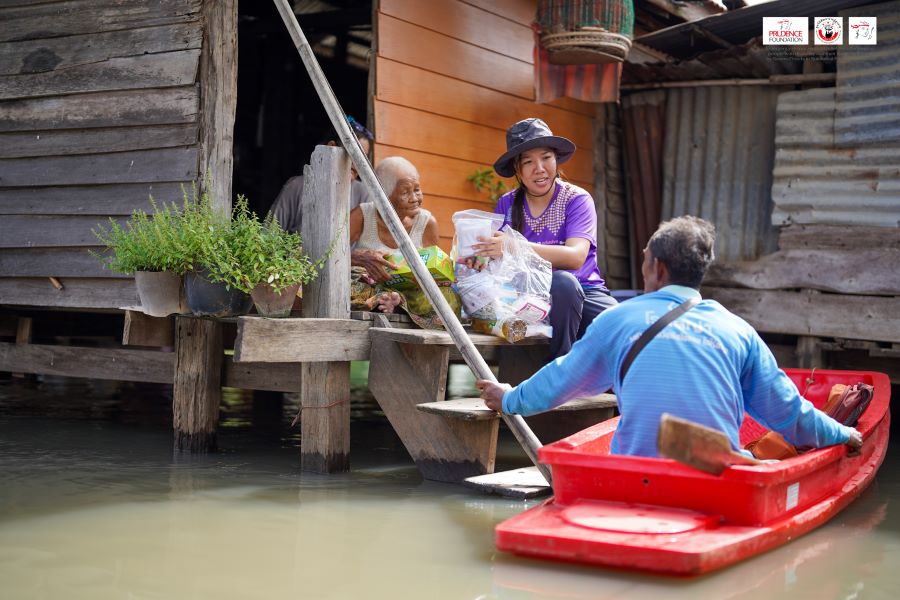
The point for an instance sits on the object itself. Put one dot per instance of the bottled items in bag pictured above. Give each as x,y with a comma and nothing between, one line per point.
511,329
510,296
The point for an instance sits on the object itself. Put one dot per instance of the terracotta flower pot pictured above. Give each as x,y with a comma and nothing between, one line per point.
208,299
161,293
272,304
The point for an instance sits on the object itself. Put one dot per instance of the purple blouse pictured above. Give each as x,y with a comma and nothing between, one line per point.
571,213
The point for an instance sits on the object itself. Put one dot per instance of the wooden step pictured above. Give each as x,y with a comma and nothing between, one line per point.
474,409
465,409
523,483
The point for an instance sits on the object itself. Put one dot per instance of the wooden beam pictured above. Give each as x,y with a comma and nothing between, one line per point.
218,82
197,385
77,293
838,237
119,364
846,271
167,69
92,363
58,53
127,108
157,165
301,340
21,144
46,20
325,386
103,201
143,330
808,313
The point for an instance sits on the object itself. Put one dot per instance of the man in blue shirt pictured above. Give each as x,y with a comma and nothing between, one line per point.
708,366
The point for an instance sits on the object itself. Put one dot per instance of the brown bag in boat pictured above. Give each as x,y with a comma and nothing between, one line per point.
771,446
847,402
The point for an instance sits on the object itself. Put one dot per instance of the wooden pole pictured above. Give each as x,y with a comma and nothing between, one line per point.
198,383
325,386
474,360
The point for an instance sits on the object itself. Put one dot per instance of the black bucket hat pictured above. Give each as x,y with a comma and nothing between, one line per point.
528,134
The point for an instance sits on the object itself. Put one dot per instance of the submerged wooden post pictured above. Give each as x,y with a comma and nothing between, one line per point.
198,383
325,386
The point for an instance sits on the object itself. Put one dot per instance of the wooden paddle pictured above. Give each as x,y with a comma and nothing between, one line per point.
467,349
697,446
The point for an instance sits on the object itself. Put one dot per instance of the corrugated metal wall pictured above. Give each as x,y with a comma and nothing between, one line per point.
717,164
868,85
837,158
643,118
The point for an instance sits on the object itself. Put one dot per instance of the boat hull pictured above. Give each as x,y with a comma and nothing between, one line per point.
661,516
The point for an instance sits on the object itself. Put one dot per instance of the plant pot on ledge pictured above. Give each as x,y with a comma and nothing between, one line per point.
161,293
270,303
208,299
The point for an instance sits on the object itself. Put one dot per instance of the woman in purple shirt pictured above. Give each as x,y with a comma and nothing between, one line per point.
560,221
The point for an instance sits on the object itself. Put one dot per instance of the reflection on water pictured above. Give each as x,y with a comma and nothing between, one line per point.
94,505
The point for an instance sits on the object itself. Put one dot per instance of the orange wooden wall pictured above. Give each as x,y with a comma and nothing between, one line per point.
450,77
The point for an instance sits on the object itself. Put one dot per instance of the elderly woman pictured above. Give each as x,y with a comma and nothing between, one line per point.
368,231
560,221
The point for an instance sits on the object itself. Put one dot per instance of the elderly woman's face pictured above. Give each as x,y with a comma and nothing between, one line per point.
536,169
407,195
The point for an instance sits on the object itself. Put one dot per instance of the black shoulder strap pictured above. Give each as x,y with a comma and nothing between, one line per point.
651,332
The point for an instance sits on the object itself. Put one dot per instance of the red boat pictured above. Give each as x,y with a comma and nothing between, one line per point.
655,514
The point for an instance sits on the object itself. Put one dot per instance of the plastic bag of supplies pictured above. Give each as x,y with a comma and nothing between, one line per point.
507,297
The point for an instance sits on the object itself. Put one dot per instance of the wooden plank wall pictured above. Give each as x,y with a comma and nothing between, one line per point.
451,76
99,107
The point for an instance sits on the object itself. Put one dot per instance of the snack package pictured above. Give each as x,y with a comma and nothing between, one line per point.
436,260
510,297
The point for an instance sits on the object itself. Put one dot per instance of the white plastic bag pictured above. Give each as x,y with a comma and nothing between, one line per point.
510,297
472,224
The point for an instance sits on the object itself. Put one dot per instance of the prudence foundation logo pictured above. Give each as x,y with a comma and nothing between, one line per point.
785,31
829,31
861,30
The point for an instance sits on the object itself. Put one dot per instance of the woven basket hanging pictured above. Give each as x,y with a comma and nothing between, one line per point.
577,32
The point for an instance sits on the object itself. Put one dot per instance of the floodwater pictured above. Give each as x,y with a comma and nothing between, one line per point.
93,504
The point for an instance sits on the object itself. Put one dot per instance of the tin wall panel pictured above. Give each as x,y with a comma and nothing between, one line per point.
717,164
837,158
867,107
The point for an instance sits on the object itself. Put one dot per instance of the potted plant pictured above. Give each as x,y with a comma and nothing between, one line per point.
261,259
148,247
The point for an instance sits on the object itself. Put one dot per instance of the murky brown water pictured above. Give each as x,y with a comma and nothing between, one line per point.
93,505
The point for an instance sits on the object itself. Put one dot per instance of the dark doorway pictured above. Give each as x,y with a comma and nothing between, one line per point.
279,118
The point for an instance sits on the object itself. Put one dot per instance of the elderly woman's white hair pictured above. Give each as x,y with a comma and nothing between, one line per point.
390,170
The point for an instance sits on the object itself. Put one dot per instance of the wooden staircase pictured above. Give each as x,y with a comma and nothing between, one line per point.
453,440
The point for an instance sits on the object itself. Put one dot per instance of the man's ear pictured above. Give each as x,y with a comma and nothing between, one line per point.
662,272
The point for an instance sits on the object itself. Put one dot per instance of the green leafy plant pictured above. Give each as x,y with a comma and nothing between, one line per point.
484,180
240,251
249,252
150,242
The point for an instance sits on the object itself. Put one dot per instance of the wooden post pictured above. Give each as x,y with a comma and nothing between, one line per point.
23,336
218,84
198,383
809,353
325,386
